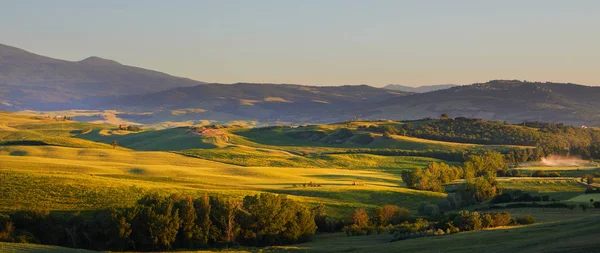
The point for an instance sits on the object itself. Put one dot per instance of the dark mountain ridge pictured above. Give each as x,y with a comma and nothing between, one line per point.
510,100
33,81
30,81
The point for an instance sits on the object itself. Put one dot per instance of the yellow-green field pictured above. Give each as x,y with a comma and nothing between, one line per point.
62,178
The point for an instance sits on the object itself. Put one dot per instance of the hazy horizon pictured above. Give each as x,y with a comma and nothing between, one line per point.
320,42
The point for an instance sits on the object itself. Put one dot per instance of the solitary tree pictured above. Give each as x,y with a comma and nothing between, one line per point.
445,116
114,144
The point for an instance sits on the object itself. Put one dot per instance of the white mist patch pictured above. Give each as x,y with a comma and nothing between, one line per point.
560,161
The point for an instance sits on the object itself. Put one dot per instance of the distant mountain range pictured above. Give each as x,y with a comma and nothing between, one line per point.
420,89
510,100
30,81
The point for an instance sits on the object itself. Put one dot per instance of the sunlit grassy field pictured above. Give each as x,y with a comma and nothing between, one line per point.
74,168
61,178
249,156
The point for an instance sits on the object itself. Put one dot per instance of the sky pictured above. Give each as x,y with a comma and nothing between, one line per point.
320,42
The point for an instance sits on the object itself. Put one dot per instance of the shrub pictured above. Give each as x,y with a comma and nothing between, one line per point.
597,204
390,214
525,220
360,218
501,219
451,229
538,173
467,221
6,227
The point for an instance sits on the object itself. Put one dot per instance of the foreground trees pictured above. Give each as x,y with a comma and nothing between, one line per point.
165,223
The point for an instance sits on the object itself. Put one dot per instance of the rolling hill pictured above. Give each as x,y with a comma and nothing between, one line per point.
514,101
31,81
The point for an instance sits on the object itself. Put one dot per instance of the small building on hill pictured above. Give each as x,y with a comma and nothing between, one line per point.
122,127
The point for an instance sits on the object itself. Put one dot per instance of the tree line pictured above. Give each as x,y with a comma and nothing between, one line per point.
548,138
169,222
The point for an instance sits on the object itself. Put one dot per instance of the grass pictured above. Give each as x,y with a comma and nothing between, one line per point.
77,170
60,178
559,232
6,247
159,140
585,198
277,137
248,156
17,128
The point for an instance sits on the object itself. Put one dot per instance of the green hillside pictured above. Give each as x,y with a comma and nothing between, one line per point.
68,166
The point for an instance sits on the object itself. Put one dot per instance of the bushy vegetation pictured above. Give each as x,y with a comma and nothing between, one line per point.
518,196
164,223
454,223
549,138
431,178
361,222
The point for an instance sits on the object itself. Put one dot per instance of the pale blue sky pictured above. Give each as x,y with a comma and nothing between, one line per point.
320,42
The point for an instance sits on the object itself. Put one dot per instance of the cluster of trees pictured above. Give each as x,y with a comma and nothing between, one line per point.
478,131
541,173
173,222
431,178
456,222
479,171
518,196
361,222
548,138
